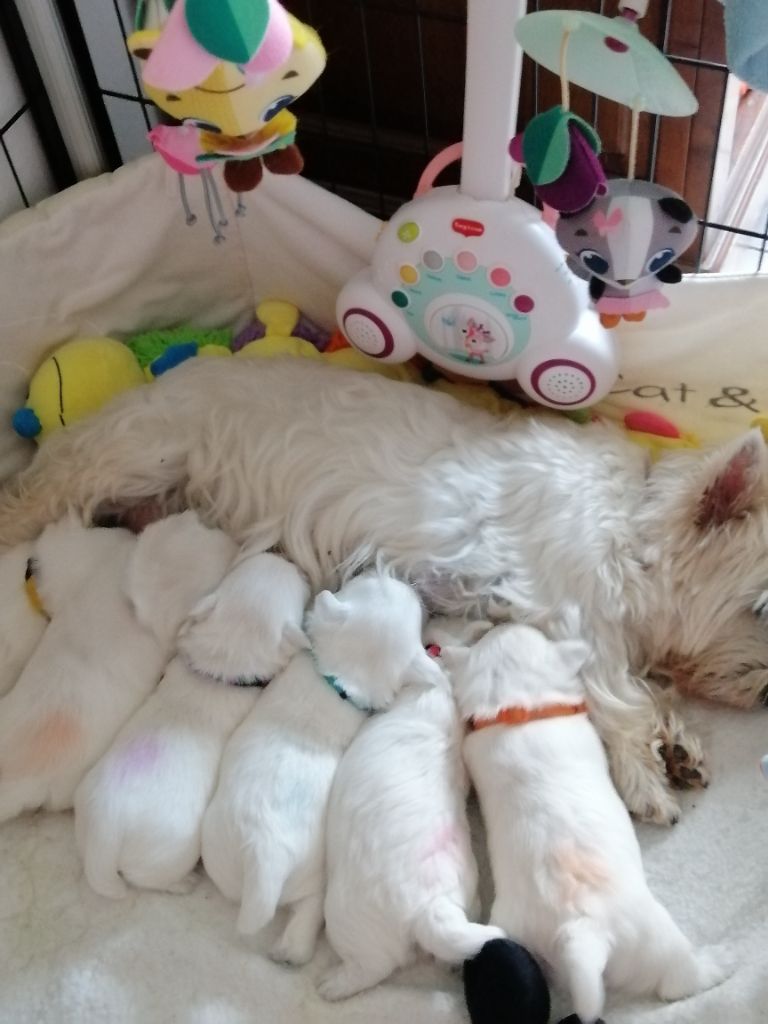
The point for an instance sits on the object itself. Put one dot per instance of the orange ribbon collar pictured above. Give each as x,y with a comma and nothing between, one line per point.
520,716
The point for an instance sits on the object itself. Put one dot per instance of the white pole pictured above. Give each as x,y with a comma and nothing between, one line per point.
494,67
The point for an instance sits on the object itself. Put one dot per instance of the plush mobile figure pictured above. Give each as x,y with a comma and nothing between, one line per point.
625,244
623,235
227,72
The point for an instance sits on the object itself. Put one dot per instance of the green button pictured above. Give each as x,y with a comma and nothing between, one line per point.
400,299
408,232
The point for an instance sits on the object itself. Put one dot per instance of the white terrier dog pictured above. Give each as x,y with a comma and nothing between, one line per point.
566,864
519,514
98,659
264,832
139,811
401,871
22,615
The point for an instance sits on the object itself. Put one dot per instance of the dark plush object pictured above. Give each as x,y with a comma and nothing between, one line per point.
505,985
575,1019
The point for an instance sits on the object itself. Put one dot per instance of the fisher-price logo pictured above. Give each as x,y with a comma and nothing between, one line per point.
468,228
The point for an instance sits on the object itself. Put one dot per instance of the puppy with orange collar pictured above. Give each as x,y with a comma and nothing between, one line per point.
566,863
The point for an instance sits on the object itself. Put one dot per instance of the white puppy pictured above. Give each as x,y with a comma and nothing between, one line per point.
566,863
97,660
264,832
139,811
250,627
401,871
22,616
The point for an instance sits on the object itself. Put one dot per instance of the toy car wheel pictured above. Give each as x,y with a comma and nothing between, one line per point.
563,382
368,333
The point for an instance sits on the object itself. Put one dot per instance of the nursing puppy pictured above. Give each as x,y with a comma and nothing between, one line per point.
566,864
139,811
264,832
98,659
509,515
249,628
401,871
22,616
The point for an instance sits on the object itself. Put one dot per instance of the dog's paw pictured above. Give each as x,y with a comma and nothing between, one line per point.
185,885
682,753
340,983
294,951
643,786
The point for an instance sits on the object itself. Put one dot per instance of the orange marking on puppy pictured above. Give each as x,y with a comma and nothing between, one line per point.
581,873
44,744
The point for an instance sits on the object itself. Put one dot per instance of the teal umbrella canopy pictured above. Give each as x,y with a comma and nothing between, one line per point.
609,57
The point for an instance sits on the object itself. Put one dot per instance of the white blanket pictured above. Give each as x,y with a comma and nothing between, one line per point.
67,955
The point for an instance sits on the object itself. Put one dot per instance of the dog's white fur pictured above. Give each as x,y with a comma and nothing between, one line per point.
518,513
21,625
139,810
264,832
568,875
250,626
100,656
401,871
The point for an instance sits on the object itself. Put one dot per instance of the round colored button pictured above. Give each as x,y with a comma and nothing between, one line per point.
500,277
432,260
409,231
400,299
466,261
409,274
523,303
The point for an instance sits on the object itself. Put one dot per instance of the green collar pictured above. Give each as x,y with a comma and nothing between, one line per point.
335,685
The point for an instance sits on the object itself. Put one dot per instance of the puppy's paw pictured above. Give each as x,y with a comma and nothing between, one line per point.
295,951
341,983
185,885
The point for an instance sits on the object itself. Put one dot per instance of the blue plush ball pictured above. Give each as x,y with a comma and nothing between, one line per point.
26,423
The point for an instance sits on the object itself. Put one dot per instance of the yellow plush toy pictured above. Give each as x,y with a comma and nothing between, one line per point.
77,379
280,319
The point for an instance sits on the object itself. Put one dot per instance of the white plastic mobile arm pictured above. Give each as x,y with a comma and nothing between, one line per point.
494,67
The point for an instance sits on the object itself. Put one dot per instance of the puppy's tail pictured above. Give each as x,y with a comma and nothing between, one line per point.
100,842
263,879
442,929
583,953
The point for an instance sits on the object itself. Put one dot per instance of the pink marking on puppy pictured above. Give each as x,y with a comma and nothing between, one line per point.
441,853
140,755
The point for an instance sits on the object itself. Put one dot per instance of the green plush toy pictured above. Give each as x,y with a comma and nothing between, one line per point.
159,351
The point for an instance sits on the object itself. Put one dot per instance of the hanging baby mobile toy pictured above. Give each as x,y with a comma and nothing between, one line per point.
622,235
227,70
476,280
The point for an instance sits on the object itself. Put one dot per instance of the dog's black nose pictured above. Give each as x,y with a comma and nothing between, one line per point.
763,698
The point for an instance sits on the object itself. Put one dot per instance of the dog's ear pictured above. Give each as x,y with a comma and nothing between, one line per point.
423,672
574,654
330,607
296,637
737,482
201,610
454,658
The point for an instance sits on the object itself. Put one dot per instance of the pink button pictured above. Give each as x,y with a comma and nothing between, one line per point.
524,303
500,277
466,261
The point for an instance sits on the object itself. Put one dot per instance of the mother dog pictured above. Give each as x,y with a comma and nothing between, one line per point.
515,515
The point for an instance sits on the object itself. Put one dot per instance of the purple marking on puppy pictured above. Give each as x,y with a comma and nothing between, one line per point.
141,755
